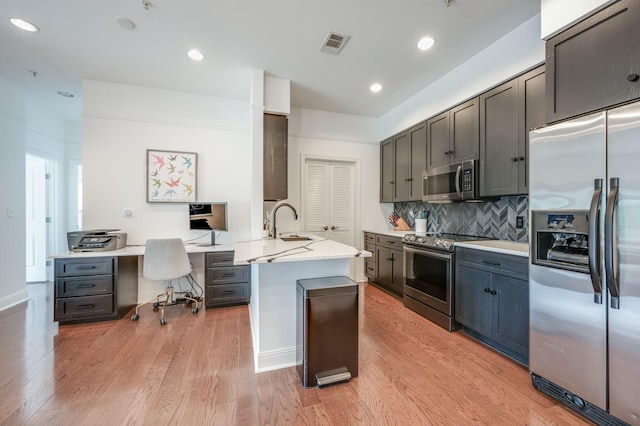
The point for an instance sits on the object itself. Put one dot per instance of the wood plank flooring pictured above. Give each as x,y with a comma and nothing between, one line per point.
198,370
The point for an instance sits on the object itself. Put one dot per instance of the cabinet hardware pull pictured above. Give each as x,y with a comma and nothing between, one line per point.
520,158
489,262
325,227
88,306
493,292
86,267
391,182
514,159
487,290
85,285
633,77
228,292
333,228
227,275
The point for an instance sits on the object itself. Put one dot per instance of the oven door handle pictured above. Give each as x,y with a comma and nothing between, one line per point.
427,252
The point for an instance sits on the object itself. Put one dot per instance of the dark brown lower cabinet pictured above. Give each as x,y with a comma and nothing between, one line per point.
384,269
492,300
225,284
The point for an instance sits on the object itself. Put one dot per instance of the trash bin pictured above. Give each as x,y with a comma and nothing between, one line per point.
327,330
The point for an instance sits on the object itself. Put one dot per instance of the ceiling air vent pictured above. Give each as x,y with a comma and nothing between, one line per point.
334,43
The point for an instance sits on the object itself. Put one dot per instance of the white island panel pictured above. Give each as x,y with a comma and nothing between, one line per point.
273,307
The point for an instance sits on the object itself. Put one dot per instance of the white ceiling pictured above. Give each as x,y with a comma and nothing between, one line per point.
80,39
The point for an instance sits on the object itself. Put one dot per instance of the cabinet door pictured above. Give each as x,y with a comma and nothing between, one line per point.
464,137
386,171
397,277
402,151
511,318
595,64
383,265
418,158
473,299
532,96
499,137
275,157
438,141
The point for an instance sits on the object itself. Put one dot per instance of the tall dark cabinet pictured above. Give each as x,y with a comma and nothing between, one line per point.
453,136
594,64
275,157
387,170
507,113
410,153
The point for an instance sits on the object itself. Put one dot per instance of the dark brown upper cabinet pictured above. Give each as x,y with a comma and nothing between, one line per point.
275,157
387,170
507,113
594,64
453,136
410,148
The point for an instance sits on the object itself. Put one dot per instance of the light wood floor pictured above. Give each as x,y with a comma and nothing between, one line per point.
198,370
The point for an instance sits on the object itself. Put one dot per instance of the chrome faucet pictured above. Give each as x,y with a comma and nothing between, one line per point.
273,216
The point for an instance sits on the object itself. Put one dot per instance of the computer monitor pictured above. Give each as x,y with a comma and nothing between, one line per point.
208,216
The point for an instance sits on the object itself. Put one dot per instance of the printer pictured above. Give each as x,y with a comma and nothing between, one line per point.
96,240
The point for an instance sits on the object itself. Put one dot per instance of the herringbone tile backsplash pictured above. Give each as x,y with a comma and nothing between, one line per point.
493,219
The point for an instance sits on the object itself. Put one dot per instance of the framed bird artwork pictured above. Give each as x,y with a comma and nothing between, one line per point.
171,176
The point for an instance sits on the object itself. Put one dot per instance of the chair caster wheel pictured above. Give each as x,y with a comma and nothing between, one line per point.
195,310
155,305
163,321
135,317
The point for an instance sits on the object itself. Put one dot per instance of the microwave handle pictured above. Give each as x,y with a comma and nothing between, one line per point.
458,172
594,241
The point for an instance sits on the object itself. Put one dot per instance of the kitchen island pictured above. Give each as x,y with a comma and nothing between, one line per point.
276,266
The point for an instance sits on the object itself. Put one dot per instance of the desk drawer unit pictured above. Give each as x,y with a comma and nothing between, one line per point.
94,288
225,284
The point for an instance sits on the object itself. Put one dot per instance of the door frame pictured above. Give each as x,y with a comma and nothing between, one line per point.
357,269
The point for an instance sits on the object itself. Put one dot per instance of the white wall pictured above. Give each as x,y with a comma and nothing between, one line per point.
558,15
120,122
13,128
520,49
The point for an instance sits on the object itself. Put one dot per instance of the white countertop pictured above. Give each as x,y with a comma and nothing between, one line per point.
255,251
498,246
390,232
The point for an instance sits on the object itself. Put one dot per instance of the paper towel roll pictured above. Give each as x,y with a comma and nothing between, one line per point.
421,226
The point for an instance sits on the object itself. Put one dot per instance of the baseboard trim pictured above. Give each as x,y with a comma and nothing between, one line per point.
13,299
274,360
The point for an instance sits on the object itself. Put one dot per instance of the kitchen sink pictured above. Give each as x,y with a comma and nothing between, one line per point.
295,238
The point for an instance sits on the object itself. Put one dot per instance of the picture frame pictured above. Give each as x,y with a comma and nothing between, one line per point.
171,176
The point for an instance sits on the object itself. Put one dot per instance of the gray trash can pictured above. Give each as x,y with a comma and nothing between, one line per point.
327,330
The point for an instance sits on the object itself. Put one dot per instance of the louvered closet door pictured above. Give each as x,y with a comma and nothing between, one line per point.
329,200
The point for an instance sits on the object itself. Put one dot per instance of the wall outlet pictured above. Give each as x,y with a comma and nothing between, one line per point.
519,222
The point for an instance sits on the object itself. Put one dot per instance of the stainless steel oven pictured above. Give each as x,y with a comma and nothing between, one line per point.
428,284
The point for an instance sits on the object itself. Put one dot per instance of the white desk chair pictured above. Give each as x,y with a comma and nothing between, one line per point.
166,260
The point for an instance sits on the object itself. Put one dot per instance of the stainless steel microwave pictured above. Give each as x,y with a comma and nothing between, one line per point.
455,182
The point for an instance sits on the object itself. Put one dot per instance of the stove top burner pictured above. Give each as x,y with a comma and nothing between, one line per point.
439,241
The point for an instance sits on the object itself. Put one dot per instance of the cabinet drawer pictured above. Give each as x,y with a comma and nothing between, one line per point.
371,248
84,286
391,242
86,266
497,262
227,293
228,274
223,258
370,269
87,306
369,237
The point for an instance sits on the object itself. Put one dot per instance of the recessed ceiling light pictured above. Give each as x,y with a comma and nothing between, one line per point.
125,23
375,87
195,54
24,25
65,94
426,43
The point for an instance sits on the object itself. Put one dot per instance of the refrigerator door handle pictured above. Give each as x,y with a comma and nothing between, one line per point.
612,279
594,241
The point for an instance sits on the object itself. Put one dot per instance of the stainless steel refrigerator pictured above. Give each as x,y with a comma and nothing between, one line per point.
584,275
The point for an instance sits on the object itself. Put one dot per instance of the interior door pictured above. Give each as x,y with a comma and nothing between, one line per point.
329,200
35,209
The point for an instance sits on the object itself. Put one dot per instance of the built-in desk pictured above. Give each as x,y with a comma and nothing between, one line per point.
275,266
